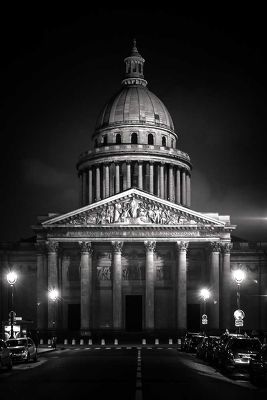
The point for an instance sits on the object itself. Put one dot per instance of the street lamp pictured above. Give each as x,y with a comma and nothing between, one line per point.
53,295
12,279
205,295
239,275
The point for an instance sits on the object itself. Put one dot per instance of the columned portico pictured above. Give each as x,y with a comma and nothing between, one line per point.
86,285
181,282
52,249
150,284
214,309
117,285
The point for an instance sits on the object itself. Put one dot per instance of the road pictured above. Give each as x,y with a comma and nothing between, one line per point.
128,373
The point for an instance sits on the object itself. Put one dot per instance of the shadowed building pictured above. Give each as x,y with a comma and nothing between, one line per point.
134,256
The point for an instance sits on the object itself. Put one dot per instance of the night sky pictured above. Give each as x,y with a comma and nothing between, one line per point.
59,70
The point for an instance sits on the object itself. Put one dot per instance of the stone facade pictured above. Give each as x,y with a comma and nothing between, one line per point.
134,256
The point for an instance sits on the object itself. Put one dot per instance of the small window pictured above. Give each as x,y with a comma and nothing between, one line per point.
96,144
118,138
150,139
105,139
172,143
156,116
134,138
164,141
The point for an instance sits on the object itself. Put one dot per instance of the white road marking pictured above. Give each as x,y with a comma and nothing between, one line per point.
138,384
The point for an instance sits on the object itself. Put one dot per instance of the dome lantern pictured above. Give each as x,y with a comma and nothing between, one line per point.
134,73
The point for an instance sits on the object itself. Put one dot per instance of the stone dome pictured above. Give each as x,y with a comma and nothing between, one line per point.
134,104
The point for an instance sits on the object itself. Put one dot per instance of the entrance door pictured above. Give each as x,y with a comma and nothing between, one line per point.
133,313
74,316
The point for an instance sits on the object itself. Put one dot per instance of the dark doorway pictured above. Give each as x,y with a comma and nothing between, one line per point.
193,316
74,317
133,313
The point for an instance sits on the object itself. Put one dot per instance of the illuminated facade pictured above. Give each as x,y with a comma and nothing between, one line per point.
134,256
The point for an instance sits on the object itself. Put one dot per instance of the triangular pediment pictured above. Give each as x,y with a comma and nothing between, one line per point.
134,207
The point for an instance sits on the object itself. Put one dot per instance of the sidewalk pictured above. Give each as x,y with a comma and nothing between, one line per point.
44,349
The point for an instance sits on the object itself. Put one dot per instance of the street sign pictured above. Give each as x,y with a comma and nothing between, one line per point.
18,318
239,322
204,319
239,314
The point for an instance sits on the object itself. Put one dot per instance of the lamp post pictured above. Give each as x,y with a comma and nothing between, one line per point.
205,295
239,276
53,295
12,279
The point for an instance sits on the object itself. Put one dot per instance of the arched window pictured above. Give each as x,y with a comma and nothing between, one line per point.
164,141
118,138
134,138
150,139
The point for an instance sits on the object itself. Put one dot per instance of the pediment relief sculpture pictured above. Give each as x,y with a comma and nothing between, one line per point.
131,211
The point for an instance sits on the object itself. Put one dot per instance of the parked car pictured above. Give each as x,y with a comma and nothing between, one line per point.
210,346
238,352
201,347
218,346
5,356
185,339
258,367
193,342
22,349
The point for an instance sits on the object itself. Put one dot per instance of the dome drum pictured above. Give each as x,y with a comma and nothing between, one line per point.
136,135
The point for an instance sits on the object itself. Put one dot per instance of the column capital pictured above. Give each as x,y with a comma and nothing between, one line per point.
182,246
117,246
226,247
86,247
40,247
215,247
150,245
52,247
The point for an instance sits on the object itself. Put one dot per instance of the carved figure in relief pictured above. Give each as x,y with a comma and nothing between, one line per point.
117,212
103,273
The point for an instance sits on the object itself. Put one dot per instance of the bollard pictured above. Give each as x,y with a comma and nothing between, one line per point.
49,342
170,341
81,342
73,342
65,341
143,341
179,342
102,342
90,342
156,341
116,342
41,341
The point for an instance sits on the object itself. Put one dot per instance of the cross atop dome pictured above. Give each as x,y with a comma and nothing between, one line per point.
134,68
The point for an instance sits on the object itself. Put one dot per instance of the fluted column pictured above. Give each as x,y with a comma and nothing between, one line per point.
128,175
181,299
226,280
117,284
117,178
41,286
188,190
162,181
86,285
150,284
106,180
151,178
178,186
52,267
183,188
84,177
90,186
171,185
97,183
140,175
214,309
